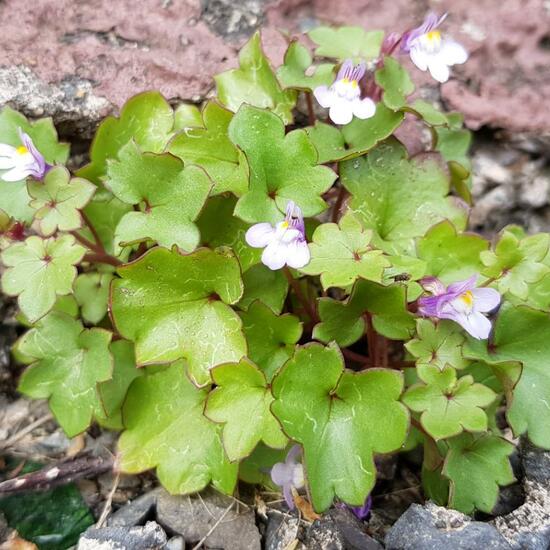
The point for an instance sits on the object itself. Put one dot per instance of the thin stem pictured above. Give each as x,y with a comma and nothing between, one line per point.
85,242
310,111
308,307
353,356
371,337
338,204
103,259
91,228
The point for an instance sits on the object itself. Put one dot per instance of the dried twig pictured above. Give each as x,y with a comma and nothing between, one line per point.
107,507
62,473
211,530
26,430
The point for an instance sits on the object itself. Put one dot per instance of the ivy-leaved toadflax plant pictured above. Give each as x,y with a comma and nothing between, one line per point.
247,291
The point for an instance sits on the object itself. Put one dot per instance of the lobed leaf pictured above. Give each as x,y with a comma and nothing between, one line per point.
261,283
254,83
66,363
241,402
347,43
341,419
167,430
173,306
396,83
39,270
91,291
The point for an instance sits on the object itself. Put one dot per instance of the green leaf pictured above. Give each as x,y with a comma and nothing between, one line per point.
91,291
451,256
476,467
174,306
521,334
113,392
51,519
282,167
438,345
396,83
261,283
271,338
208,146
254,83
328,140
294,72
39,270
218,227
341,419
187,116
169,209
449,406
67,363
427,112
347,42
167,430
363,135
343,322
104,213
517,262
14,197
241,402
58,200
539,294
342,253
147,118
397,212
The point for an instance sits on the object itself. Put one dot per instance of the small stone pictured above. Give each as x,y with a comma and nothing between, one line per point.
149,537
282,530
498,200
175,543
137,511
535,193
193,517
56,443
339,529
432,527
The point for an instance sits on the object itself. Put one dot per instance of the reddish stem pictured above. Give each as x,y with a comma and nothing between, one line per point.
310,111
103,259
308,307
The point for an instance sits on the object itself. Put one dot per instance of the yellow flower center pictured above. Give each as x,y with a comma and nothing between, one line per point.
284,224
467,298
22,150
433,36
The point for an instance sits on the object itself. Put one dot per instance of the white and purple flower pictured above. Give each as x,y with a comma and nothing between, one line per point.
289,474
461,302
430,51
23,161
343,97
284,244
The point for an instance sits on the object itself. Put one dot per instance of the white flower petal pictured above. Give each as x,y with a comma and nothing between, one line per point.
6,162
16,174
438,68
419,57
341,111
260,235
298,254
485,299
325,96
274,255
453,53
477,325
7,150
290,235
364,108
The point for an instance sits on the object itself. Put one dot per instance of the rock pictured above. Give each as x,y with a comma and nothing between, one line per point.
193,517
339,529
137,511
528,527
535,193
233,19
432,527
491,206
149,537
175,543
282,530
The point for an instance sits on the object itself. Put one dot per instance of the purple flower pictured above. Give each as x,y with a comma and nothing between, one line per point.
284,244
23,161
289,474
429,50
343,97
360,512
461,302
